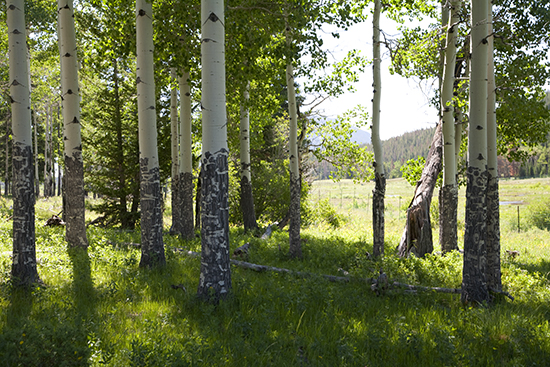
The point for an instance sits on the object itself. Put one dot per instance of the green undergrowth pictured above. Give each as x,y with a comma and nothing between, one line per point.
99,308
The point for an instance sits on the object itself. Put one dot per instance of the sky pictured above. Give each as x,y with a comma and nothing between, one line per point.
404,103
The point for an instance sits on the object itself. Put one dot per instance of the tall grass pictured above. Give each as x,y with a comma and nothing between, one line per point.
98,308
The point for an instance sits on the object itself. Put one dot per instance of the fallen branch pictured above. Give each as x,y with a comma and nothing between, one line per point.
422,288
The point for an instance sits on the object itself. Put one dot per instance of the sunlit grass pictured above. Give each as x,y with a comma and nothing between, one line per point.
99,308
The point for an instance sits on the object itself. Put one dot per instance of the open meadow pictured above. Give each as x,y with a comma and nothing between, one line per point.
100,309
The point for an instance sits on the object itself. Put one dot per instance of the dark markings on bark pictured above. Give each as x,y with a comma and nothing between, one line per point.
295,249
417,236
494,281
198,201
23,271
474,283
176,206
215,277
73,199
152,247
247,205
378,195
448,201
186,202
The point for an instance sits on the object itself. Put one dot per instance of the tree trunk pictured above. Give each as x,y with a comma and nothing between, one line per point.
23,271
247,198
37,177
494,281
295,249
73,189
474,283
186,227
215,277
152,247
174,137
7,172
417,236
449,192
380,177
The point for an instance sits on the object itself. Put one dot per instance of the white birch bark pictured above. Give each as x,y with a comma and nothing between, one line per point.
24,271
474,283
493,216
186,226
295,249
73,189
152,247
215,276
380,176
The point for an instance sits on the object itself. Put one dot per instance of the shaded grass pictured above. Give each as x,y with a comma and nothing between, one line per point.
99,308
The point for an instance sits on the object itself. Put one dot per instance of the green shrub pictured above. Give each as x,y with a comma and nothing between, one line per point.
326,213
539,214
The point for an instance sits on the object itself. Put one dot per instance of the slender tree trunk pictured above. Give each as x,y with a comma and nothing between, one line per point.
47,179
474,283
417,236
152,247
73,189
493,216
295,181
449,192
23,271
7,171
379,191
247,199
215,277
186,229
37,177
174,140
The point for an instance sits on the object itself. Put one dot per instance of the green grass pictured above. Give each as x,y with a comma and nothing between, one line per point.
99,308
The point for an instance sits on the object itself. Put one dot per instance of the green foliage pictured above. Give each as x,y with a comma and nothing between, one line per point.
328,214
412,171
539,214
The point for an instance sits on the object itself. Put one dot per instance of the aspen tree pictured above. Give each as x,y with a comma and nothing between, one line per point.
247,199
23,271
174,145
152,247
295,181
379,191
215,275
185,168
493,216
474,280
449,192
73,187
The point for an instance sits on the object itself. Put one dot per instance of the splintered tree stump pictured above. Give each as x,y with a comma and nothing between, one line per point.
417,236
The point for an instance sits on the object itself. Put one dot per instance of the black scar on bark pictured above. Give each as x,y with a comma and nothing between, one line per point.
73,199
247,204
213,17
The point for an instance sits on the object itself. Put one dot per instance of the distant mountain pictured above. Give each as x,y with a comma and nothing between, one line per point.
361,137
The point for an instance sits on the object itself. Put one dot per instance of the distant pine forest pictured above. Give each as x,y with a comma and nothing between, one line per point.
411,145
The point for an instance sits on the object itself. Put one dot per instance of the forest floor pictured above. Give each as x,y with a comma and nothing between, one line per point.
99,308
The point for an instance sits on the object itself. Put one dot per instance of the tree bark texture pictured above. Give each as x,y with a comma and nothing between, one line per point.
494,281
215,277
185,168
474,283
73,188
379,192
417,236
36,176
247,204
247,198
295,249
23,271
152,247
448,203
378,195
185,183
174,140
295,243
